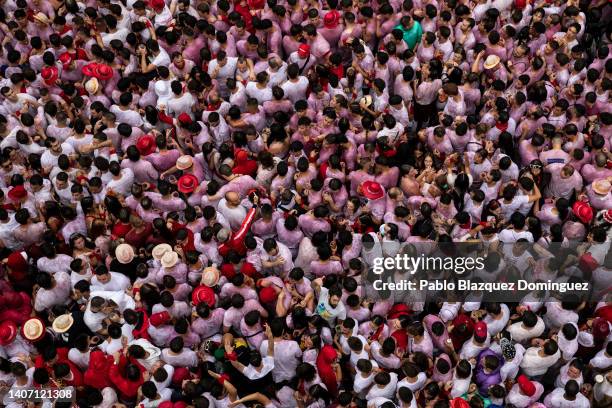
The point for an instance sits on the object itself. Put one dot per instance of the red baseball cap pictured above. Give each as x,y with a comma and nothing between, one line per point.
480,330
583,211
304,50
187,183
17,193
527,387
146,145
203,294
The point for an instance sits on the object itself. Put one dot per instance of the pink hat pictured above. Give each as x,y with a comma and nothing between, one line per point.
49,75
8,332
304,50
187,183
583,211
103,72
372,190
527,387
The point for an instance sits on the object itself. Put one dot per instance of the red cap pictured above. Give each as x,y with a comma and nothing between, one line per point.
65,59
480,330
372,190
267,295
583,211
607,216
331,19
520,4
185,119
304,50
103,72
89,69
17,193
146,145
157,319
180,374
16,262
157,4
49,75
203,294
187,183
526,386
8,332
600,328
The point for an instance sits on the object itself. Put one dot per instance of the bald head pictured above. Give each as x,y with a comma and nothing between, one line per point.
232,198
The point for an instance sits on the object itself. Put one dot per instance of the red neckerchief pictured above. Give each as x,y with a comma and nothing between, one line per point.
502,126
213,107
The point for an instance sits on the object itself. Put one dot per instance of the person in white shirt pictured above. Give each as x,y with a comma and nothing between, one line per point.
109,281
567,397
415,380
530,327
181,102
384,385
537,360
258,367
364,376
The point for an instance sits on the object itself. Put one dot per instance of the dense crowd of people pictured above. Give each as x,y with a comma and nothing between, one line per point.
194,192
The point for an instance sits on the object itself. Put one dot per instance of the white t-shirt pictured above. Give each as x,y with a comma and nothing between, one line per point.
253,374
326,311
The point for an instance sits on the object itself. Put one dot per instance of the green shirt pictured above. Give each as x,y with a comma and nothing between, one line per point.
412,36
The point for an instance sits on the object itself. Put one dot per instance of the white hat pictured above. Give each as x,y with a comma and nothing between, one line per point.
210,276
491,61
124,253
63,323
160,250
169,259
92,86
184,162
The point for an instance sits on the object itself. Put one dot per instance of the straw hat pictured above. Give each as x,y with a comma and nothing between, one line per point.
41,18
62,323
33,329
92,86
160,250
601,187
169,259
491,61
210,276
124,253
184,162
